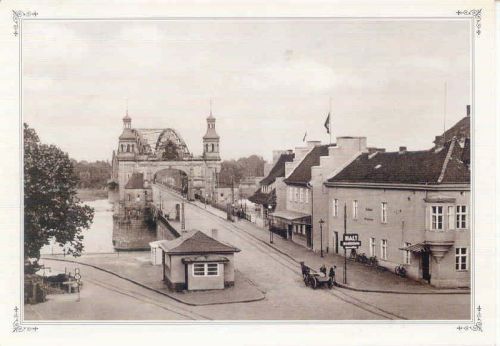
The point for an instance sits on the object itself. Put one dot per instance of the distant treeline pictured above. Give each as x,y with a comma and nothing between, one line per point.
92,175
237,170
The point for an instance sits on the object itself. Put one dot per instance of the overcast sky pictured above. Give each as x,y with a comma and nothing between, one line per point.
270,81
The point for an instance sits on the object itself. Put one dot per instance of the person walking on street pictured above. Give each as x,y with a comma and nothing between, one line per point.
331,274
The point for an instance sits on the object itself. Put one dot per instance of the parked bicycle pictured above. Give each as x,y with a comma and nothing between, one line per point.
361,258
400,270
373,261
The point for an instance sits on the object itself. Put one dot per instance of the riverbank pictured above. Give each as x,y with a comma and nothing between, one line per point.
89,195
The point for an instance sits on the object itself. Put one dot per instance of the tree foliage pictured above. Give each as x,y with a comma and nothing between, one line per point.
92,175
51,208
237,170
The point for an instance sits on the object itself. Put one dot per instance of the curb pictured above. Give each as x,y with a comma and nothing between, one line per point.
347,287
151,288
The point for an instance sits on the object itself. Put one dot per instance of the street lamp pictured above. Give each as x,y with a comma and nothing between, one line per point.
269,224
321,222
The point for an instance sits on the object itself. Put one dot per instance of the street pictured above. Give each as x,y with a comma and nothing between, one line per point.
286,297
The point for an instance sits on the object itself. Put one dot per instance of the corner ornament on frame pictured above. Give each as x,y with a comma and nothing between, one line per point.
17,15
16,325
476,14
478,324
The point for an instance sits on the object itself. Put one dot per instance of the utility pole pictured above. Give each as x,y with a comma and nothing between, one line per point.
321,222
183,217
345,250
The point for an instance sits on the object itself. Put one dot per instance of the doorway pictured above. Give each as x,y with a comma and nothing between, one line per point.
426,274
336,240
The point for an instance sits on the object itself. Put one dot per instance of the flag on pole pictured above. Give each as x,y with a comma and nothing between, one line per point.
305,135
327,123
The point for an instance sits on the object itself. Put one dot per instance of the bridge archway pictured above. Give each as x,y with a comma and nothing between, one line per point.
175,179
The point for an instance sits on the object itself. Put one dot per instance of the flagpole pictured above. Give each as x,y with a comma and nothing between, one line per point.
330,120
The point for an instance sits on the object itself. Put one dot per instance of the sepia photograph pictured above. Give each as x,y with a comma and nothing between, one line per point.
281,169
269,174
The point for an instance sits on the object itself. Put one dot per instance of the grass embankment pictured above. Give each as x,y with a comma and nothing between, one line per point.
87,195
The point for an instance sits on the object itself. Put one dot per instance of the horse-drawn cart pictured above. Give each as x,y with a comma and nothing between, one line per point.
314,279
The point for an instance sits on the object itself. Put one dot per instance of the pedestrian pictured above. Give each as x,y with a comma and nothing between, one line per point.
323,270
331,274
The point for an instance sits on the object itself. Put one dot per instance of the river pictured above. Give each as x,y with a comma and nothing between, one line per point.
99,237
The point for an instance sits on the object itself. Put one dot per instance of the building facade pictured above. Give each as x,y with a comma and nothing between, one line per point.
271,195
409,208
196,261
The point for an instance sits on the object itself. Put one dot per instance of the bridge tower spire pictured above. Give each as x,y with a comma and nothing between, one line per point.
211,139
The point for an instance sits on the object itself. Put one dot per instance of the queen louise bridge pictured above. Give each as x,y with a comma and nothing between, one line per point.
146,161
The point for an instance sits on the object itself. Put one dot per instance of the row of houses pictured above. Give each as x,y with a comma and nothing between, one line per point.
410,208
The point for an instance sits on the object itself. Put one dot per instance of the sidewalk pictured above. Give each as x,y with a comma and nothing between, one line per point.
136,268
359,277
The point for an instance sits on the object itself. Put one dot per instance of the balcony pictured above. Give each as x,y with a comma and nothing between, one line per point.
439,242
440,236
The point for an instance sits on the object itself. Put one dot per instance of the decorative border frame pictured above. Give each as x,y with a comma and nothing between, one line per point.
17,17
476,14
19,325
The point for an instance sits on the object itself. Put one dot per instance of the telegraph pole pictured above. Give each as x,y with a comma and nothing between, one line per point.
345,250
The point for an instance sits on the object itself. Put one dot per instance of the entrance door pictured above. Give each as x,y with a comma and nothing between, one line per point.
336,234
290,231
426,274
309,236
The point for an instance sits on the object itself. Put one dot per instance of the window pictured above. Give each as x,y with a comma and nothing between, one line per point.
461,216
383,212
206,148
372,247
128,148
436,217
301,195
307,196
451,217
406,254
461,258
213,147
354,209
383,249
295,194
205,269
335,207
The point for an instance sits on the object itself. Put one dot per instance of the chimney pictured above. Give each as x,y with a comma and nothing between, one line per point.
402,150
215,233
372,150
468,110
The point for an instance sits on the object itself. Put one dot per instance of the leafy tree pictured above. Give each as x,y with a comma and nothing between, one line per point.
245,167
51,208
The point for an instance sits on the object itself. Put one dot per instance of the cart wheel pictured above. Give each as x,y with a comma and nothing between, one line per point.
306,280
314,283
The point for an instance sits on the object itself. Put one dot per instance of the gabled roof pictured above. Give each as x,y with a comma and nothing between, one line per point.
195,241
262,198
442,165
301,175
278,169
136,181
461,130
